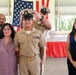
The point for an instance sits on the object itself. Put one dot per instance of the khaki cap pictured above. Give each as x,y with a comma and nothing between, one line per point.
44,10
27,13
28,10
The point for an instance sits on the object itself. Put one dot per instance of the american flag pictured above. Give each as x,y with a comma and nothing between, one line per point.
18,6
23,4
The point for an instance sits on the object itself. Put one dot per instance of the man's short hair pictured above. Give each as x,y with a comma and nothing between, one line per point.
4,16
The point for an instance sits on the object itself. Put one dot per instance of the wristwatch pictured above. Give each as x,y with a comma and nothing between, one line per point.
42,18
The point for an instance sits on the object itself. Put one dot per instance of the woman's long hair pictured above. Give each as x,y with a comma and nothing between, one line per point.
73,29
12,30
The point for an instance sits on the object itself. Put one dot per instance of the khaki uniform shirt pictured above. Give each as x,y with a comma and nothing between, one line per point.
40,26
29,44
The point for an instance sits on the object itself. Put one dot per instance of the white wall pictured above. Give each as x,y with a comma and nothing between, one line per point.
52,14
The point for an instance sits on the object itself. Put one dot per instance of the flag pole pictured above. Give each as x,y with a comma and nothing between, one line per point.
9,10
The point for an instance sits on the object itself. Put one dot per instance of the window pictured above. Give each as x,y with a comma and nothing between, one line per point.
65,14
5,7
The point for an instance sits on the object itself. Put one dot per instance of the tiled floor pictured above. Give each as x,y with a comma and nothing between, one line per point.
55,66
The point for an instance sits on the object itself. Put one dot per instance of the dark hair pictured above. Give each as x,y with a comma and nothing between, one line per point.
73,29
12,30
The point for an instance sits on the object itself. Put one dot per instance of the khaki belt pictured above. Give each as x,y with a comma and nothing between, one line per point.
30,58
